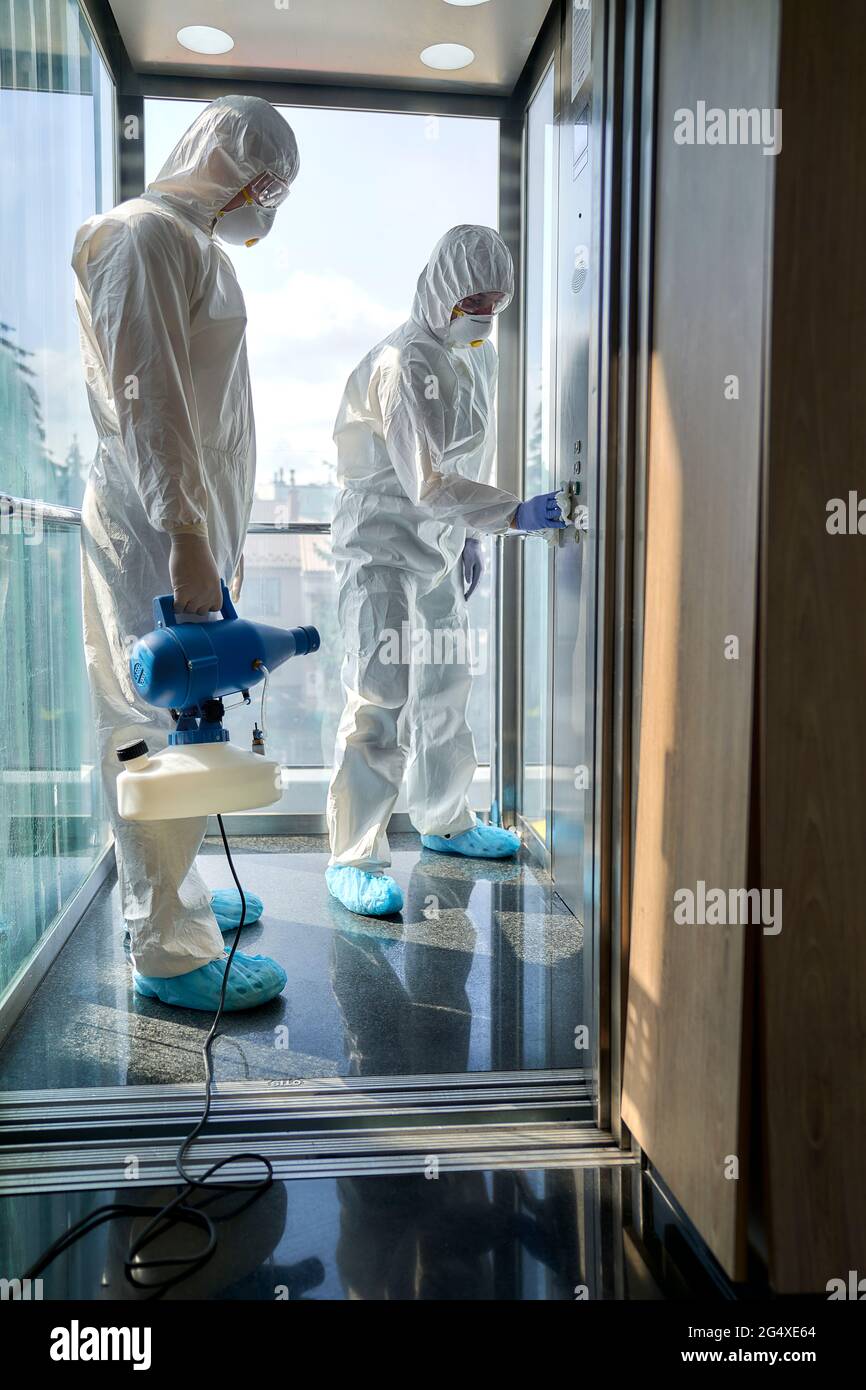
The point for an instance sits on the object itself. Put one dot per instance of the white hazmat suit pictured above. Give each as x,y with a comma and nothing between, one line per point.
163,326
416,443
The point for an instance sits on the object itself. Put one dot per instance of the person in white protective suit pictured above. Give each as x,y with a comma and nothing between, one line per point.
416,444
163,323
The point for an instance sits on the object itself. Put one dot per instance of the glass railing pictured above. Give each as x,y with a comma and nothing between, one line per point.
53,828
57,109
289,580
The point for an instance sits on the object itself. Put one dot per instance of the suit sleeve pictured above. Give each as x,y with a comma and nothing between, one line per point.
136,277
419,427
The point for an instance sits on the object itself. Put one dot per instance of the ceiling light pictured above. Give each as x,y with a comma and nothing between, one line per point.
200,38
465,2
447,56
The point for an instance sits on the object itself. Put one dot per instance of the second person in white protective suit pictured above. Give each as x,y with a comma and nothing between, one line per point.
168,501
416,443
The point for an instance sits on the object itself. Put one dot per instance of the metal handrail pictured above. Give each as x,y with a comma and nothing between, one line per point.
51,515
289,528
55,517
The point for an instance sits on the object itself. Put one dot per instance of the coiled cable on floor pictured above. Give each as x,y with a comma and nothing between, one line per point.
179,1211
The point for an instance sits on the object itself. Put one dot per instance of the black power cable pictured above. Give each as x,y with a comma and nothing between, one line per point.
180,1211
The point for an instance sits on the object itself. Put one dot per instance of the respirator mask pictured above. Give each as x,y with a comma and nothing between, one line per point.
253,219
244,226
469,330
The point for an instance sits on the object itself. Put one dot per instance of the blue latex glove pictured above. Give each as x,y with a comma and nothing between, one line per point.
473,566
539,513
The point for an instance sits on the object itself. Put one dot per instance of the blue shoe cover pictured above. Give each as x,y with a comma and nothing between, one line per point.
481,842
226,904
371,895
253,980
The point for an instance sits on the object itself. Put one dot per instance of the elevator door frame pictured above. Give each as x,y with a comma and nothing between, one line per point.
608,608
538,1110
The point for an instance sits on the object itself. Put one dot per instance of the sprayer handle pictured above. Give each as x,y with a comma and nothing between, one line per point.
165,616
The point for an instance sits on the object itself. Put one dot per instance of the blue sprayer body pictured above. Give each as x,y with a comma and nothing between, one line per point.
184,666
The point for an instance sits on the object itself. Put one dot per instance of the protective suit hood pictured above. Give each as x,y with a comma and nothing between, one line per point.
230,143
467,260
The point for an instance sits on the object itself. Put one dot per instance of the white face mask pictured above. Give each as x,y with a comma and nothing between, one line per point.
245,225
469,330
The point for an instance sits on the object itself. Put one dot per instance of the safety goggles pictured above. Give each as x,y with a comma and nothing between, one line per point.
488,302
268,190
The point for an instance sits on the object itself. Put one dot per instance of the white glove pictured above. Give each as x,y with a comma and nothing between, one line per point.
238,582
195,579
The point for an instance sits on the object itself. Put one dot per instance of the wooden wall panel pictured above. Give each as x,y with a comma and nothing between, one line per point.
683,1097
813,770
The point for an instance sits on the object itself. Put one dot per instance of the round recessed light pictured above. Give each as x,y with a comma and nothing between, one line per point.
201,38
465,2
447,56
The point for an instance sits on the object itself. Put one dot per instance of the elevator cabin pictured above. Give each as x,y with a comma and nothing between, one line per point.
539,1016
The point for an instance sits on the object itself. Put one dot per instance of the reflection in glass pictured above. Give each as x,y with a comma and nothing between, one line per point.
539,464
530,1234
56,169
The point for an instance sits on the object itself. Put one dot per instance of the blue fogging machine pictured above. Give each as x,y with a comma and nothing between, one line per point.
188,668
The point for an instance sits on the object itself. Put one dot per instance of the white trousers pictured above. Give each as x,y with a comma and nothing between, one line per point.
165,902
407,681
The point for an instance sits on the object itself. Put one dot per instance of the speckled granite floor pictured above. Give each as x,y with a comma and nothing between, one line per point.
483,971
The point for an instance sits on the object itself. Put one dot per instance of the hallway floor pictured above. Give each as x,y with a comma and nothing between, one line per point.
483,971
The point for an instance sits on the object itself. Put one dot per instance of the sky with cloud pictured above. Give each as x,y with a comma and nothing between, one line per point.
338,271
